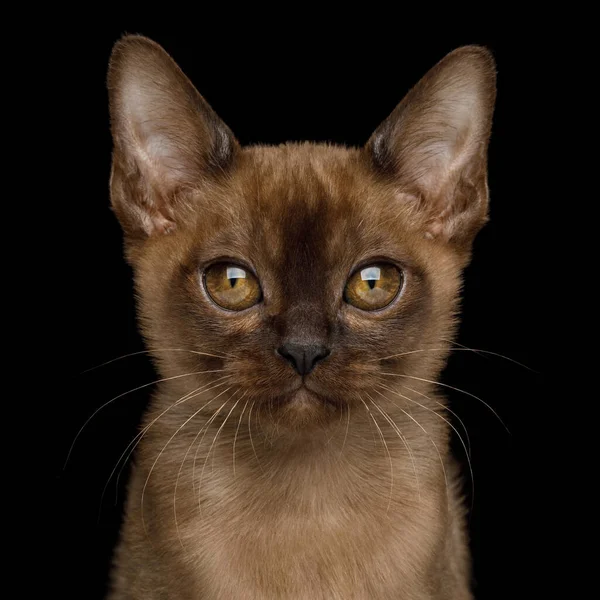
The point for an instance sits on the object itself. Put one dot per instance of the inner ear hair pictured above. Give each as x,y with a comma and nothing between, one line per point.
167,139
433,146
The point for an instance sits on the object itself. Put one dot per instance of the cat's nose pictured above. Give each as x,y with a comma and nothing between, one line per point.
303,357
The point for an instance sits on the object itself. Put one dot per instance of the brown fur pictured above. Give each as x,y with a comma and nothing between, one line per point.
312,504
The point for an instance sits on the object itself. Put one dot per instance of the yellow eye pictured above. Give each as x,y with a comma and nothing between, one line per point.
373,287
231,286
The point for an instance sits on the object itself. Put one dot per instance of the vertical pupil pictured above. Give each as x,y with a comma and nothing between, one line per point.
233,274
371,275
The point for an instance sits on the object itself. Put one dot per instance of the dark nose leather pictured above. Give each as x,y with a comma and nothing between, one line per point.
303,357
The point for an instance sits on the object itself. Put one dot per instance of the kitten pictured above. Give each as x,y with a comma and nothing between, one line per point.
299,302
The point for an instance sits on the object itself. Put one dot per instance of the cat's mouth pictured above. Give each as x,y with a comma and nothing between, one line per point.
305,397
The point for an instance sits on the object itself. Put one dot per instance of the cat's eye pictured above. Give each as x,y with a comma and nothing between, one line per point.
374,286
231,286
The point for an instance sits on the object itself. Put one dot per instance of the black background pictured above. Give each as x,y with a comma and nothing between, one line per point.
270,87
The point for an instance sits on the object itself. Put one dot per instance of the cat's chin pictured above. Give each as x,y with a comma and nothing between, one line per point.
306,398
303,406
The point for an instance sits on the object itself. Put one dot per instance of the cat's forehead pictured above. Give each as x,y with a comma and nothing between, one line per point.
310,195
305,177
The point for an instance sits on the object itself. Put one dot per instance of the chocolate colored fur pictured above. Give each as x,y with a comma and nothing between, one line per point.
286,493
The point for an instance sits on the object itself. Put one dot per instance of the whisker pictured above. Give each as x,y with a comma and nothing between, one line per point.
156,460
445,408
347,429
426,433
483,352
462,349
177,480
175,494
250,435
467,453
388,453
270,405
214,441
236,433
141,387
203,428
131,354
177,485
455,389
404,441
335,430
475,350
138,438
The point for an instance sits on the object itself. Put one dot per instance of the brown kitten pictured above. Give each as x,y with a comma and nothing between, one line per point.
299,302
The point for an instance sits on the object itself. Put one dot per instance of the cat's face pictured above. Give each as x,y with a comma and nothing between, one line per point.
307,271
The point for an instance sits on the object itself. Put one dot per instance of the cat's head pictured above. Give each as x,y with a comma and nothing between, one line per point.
305,270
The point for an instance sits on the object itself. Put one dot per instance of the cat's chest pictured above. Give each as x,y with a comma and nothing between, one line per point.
298,542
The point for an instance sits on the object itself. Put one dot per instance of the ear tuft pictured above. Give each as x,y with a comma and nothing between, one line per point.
434,143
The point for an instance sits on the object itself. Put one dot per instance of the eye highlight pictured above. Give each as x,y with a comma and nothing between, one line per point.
231,286
373,286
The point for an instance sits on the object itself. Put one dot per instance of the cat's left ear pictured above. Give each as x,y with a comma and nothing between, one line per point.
433,146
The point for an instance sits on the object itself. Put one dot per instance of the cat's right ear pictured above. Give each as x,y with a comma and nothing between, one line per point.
167,139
